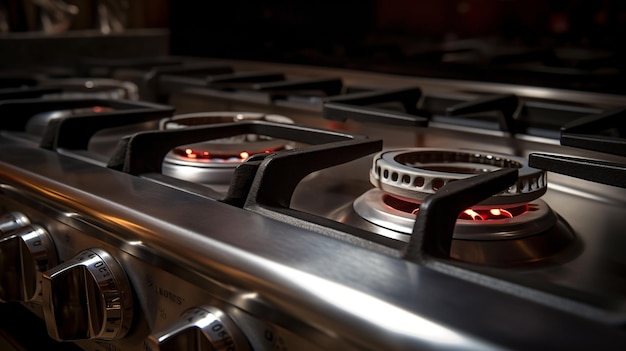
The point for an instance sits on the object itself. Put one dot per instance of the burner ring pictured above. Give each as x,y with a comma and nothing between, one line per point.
225,153
414,174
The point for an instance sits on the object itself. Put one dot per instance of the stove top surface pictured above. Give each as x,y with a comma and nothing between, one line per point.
284,227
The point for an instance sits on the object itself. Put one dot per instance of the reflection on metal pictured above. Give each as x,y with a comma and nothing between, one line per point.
367,308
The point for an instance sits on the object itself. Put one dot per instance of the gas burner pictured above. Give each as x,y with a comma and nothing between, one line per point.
213,162
510,227
495,222
415,174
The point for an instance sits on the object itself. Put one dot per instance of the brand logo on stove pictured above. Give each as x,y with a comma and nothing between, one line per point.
169,295
175,298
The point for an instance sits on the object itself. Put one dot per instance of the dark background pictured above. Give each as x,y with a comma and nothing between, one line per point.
336,30
569,44
572,44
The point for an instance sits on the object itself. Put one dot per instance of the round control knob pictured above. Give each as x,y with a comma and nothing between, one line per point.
200,329
87,297
24,255
11,221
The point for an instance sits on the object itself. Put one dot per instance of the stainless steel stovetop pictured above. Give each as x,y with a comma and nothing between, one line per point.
139,245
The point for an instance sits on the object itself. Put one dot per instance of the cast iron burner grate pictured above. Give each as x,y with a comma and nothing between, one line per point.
505,113
160,77
143,153
214,161
604,133
74,131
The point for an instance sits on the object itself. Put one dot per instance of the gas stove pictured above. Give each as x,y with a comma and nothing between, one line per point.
204,204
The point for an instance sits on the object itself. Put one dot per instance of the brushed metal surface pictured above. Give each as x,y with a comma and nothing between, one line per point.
340,295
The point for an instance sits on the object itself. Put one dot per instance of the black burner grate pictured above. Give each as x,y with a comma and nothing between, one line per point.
604,133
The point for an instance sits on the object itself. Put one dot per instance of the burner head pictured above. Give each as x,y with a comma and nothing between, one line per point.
414,174
510,227
213,162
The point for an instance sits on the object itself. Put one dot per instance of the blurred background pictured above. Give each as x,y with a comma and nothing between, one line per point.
57,16
564,43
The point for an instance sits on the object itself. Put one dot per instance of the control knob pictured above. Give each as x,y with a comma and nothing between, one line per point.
11,221
200,329
24,255
87,297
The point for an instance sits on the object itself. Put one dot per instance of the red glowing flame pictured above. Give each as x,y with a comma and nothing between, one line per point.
492,213
190,153
477,213
488,214
473,215
217,157
500,213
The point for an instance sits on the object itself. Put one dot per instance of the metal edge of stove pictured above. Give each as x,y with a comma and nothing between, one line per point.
291,275
385,80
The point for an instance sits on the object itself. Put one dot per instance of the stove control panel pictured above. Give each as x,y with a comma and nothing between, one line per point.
200,329
101,297
87,297
26,251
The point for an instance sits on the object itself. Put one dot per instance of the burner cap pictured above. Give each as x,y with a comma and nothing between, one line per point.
413,174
